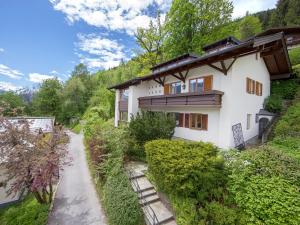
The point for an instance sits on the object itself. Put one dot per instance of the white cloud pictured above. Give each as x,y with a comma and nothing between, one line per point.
6,86
53,72
97,52
242,6
110,14
38,78
9,72
1,49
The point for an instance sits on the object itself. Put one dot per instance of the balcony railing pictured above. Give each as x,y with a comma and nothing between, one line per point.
208,98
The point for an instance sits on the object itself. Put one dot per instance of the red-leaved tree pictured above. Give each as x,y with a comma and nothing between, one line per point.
32,159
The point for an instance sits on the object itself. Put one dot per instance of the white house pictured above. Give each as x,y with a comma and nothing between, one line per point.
214,96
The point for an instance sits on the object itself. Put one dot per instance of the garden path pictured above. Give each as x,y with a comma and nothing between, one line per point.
76,201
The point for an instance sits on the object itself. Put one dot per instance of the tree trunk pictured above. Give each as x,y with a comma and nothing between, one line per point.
38,197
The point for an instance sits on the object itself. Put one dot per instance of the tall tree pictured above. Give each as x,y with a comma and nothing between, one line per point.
293,13
151,41
249,26
278,16
47,101
74,102
189,21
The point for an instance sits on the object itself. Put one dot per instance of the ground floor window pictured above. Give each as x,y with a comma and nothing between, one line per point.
248,121
191,120
124,116
198,121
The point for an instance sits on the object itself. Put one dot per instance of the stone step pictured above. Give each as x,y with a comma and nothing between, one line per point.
162,213
136,175
149,199
143,183
147,193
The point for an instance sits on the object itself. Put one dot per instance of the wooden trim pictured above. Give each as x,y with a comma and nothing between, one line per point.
204,121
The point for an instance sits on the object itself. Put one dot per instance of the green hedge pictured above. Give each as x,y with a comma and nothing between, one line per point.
121,203
107,146
27,212
273,103
286,89
193,169
265,183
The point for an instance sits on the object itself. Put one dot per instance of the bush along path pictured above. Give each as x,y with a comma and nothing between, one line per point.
76,201
155,213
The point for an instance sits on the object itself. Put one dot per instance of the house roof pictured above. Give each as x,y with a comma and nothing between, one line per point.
174,60
272,49
229,39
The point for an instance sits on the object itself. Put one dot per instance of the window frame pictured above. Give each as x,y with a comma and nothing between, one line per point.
121,116
196,121
170,87
197,78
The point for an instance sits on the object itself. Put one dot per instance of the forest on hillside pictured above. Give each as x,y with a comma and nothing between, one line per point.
188,26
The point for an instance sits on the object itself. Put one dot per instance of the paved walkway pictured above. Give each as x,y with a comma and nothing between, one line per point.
76,201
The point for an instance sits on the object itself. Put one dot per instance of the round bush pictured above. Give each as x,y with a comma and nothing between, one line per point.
273,103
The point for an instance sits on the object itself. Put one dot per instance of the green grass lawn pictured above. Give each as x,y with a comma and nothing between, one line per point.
27,212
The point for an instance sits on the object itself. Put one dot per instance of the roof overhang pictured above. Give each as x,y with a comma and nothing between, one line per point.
272,49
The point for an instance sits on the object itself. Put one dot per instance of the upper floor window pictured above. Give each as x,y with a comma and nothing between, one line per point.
197,85
175,88
253,87
201,84
124,94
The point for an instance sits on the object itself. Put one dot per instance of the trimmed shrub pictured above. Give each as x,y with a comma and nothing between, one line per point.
121,203
273,103
268,200
265,183
193,169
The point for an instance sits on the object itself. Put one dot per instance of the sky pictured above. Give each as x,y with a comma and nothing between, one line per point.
42,39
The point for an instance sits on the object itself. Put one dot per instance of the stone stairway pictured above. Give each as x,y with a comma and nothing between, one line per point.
155,212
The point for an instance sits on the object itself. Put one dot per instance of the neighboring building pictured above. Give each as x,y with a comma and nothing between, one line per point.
292,35
210,94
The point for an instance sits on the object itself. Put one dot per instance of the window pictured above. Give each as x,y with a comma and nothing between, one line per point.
198,121
124,94
175,88
253,87
248,121
179,117
197,85
258,88
124,116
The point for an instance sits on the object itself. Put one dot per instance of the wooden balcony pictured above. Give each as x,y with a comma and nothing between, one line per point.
205,99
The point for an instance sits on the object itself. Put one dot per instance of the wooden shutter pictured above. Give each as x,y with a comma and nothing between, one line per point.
248,81
260,89
253,87
204,121
167,89
208,83
187,120
257,87
181,119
